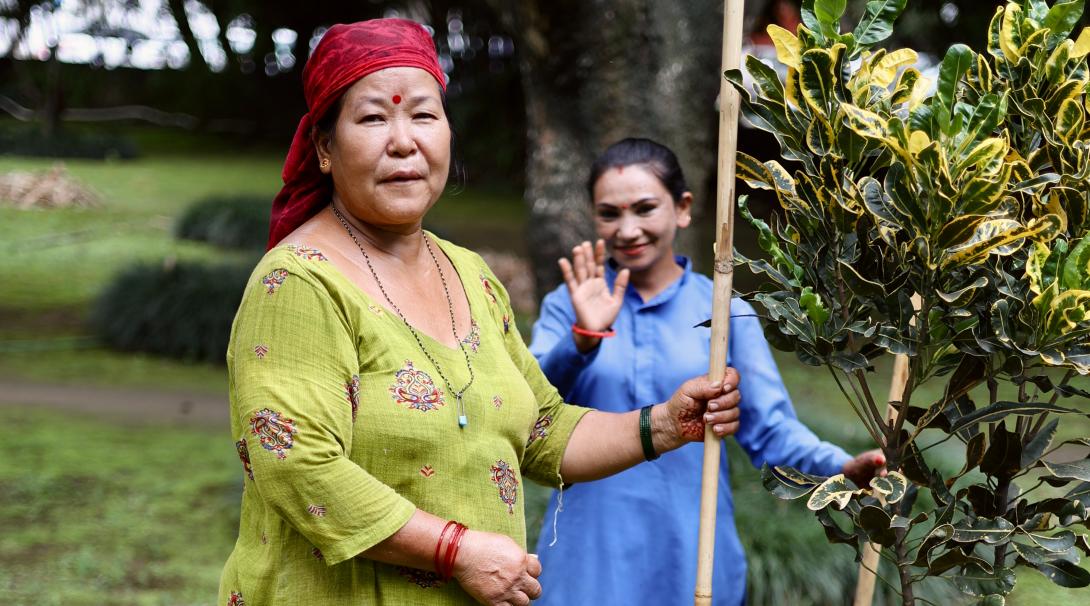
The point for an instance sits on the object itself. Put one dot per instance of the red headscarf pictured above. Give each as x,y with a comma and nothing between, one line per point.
345,54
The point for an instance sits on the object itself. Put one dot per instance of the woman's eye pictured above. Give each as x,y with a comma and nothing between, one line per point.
645,209
607,214
424,116
371,119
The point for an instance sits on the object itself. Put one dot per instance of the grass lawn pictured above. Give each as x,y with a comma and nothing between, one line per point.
97,513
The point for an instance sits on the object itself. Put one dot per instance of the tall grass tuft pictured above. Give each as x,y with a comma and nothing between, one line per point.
227,221
181,310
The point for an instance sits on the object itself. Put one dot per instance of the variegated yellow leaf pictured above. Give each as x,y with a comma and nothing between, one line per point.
788,47
1035,267
1057,61
1069,309
816,79
1012,14
917,141
865,123
791,89
819,136
983,154
902,89
1070,120
1035,39
1082,44
884,71
919,92
1054,205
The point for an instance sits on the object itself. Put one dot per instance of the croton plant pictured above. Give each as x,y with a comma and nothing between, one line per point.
947,222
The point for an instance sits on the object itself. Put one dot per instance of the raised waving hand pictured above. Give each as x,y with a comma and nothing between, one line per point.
596,305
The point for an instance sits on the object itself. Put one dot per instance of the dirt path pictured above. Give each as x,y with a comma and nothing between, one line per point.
127,405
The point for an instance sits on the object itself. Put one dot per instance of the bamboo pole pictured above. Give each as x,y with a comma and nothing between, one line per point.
868,567
729,102
864,589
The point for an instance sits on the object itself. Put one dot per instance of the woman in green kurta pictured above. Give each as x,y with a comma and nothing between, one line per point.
360,434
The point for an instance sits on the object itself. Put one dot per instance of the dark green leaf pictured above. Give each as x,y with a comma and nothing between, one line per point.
828,13
1004,455
939,535
1079,470
1057,543
877,21
1001,410
1061,19
958,60
1065,573
1039,444
782,486
876,522
976,581
991,531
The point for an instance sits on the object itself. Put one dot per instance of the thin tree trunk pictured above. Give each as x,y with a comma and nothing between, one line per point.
595,72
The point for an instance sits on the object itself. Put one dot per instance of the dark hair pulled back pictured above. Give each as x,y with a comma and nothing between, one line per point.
656,157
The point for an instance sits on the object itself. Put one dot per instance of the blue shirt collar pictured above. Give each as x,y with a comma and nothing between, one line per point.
666,295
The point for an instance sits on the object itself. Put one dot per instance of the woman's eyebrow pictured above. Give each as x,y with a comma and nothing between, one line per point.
627,204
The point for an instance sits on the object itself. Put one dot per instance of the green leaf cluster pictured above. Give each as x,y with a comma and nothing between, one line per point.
947,222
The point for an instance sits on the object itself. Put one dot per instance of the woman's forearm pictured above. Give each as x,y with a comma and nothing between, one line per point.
605,443
413,545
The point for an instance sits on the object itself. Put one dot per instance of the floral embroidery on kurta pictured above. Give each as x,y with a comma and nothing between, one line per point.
375,309
244,456
260,351
275,430
235,599
424,578
415,389
352,392
505,479
306,252
427,471
273,280
473,339
540,429
317,511
497,401
264,539
488,289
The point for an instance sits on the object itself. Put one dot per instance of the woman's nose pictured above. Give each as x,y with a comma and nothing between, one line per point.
401,141
628,227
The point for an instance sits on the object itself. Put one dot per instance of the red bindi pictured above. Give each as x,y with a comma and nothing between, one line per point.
397,99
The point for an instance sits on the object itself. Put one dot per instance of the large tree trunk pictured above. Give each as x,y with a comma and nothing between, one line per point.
597,71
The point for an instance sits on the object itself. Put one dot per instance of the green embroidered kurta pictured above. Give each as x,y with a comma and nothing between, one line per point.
344,428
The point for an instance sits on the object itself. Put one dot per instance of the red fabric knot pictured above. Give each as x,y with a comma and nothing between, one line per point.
345,54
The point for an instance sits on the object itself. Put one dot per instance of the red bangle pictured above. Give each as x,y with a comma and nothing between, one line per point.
452,550
593,333
439,546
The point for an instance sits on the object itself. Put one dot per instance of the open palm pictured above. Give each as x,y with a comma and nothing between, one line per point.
596,305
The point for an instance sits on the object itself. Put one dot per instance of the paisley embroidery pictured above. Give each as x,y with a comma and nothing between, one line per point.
488,288
244,455
306,252
505,479
260,351
473,339
497,401
273,280
235,599
317,511
415,389
540,429
275,430
352,392
423,578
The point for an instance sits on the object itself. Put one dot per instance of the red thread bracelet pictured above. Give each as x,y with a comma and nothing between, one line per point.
593,333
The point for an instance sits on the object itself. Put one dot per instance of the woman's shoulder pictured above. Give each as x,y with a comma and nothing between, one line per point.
290,258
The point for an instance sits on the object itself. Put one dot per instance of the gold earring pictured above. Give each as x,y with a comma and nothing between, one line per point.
324,163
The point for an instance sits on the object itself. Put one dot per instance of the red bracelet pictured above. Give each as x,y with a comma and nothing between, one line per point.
593,333
439,546
452,550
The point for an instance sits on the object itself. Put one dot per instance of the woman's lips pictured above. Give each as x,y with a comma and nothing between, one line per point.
632,251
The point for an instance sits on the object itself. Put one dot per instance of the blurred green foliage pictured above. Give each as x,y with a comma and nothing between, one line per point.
228,221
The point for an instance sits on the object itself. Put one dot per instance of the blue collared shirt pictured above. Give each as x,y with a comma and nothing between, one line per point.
632,538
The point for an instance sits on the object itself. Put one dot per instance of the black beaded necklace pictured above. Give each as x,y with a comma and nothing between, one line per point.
462,419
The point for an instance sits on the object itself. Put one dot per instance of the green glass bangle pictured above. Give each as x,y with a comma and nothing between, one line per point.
649,453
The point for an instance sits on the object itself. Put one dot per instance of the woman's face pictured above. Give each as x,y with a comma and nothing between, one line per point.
389,154
637,217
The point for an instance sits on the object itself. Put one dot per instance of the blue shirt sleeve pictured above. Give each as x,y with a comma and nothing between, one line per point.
769,431
552,343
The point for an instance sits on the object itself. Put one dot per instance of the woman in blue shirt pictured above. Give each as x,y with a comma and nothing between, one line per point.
632,538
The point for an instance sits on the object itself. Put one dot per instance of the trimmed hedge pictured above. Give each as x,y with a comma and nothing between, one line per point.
182,310
227,221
